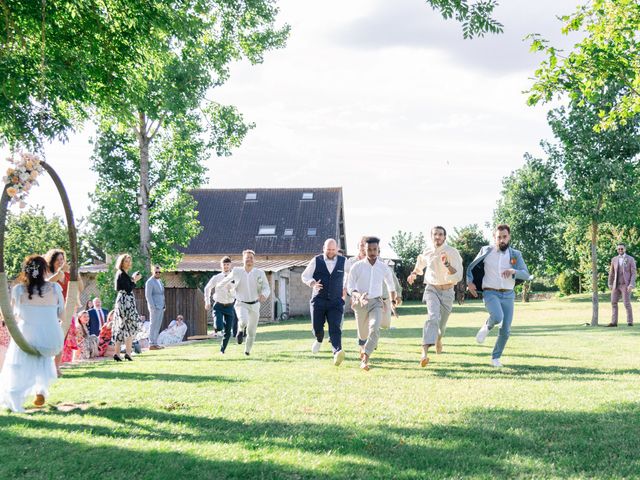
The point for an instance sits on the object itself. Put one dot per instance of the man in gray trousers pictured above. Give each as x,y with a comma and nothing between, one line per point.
154,292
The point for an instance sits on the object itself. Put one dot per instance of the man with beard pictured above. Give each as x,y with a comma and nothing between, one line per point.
252,288
442,268
325,275
365,285
495,271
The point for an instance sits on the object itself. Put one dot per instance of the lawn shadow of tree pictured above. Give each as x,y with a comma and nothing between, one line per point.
481,443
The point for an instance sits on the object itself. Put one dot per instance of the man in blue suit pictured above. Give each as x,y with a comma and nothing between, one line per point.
97,317
495,271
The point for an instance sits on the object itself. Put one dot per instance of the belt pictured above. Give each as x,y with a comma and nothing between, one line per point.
250,303
501,290
442,287
224,304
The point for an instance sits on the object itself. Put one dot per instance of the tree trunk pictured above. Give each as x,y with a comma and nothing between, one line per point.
594,273
145,230
526,286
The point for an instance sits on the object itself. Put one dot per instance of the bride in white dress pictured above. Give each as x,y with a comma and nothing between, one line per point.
38,305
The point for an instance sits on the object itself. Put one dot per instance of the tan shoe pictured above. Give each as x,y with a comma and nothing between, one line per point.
364,366
438,347
424,361
39,400
155,347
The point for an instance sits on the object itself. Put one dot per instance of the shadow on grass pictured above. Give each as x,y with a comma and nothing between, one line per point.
503,443
141,376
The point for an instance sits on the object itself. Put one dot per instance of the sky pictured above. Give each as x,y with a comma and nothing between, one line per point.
383,98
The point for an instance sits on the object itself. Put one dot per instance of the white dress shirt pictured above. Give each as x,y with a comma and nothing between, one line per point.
307,275
367,278
494,264
249,285
348,265
220,294
620,260
436,273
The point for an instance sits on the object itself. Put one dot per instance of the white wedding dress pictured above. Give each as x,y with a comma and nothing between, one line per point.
22,374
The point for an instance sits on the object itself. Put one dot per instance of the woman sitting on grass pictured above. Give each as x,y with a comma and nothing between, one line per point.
38,307
104,340
174,332
87,343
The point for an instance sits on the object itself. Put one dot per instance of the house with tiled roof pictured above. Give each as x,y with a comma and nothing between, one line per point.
286,227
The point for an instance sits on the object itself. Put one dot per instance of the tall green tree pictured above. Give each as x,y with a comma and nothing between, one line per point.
599,170
608,52
408,246
60,58
165,99
531,204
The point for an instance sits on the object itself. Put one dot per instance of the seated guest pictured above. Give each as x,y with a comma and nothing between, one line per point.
174,333
89,305
104,339
87,343
70,342
97,317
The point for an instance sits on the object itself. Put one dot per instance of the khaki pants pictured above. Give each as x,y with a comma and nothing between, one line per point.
368,322
248,316
439,306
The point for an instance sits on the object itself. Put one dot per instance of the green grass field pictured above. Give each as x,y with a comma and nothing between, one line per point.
567,405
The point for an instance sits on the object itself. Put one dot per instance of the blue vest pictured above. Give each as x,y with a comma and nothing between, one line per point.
332,283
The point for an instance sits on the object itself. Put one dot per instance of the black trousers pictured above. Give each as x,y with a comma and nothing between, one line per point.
225,320
331,312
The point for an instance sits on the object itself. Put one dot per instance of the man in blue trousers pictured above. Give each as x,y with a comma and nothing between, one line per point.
325,275
495,271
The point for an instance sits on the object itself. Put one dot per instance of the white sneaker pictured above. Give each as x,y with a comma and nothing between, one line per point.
481,336
338,357
315,348
495,362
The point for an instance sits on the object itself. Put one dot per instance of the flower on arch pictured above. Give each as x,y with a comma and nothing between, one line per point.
21,176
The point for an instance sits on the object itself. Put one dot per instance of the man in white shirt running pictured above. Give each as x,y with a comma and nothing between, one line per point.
365,283
223,302
495,271
252,288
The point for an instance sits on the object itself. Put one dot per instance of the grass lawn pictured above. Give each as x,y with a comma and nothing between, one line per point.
567,405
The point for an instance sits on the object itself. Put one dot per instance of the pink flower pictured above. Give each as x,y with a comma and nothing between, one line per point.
34,175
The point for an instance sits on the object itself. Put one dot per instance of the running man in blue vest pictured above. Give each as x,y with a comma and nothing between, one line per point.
325,275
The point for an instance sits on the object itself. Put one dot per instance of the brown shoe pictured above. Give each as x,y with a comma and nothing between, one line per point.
424,361
156,347
39,401
612,325
364,366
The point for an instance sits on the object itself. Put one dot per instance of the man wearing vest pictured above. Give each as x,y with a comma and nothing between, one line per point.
495,271
325,275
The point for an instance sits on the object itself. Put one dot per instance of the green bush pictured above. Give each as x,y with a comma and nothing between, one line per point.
568,282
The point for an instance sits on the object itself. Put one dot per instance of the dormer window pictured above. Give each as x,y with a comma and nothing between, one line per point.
288,232
267,230
251,196
307,196
311,232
